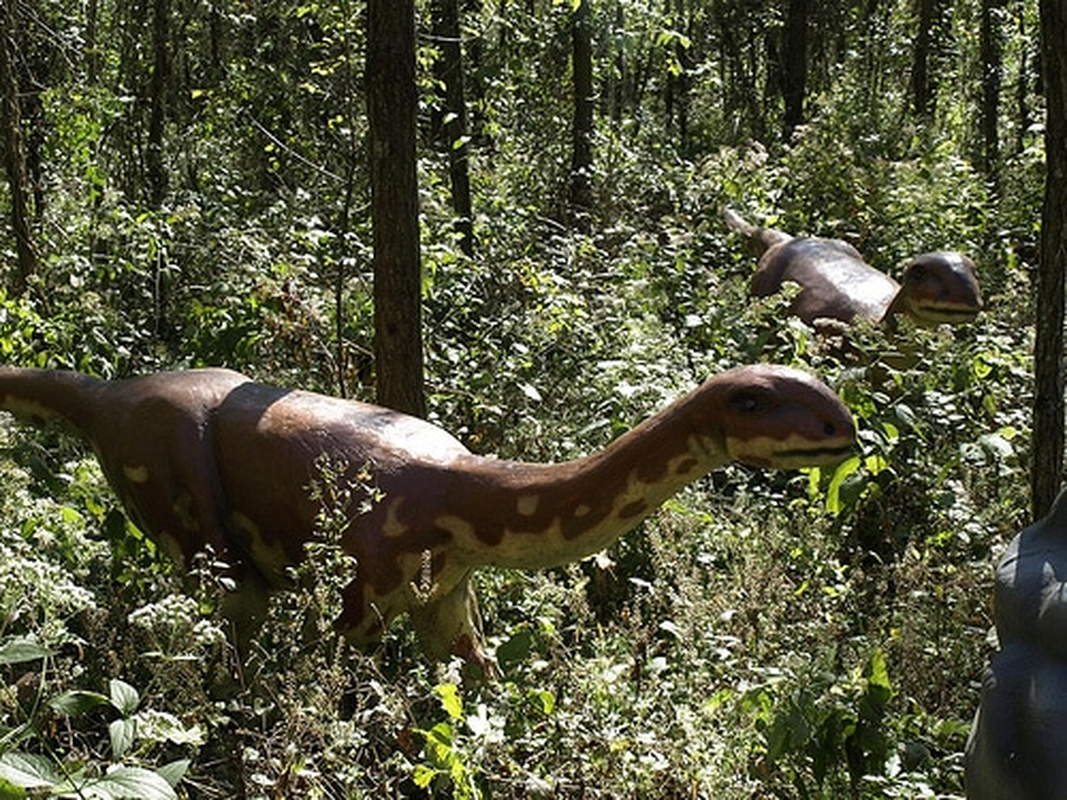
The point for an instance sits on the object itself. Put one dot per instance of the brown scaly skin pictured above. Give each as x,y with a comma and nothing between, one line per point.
208,458
838,287
1018,740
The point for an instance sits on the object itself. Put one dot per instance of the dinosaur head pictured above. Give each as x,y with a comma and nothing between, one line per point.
937,288
780,417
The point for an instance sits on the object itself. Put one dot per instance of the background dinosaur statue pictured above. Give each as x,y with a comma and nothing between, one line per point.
208,458
838,286
1019,737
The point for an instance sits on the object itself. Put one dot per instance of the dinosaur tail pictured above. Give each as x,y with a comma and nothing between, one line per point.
44,395
760,239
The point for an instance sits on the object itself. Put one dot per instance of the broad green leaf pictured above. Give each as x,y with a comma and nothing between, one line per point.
123,696
22,648
517,648
438,748
122,732
173,772
875,463
76,702
123,782
833,490
27,770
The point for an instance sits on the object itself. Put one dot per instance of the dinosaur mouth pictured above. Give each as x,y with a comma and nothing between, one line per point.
797,457
814,456
934,315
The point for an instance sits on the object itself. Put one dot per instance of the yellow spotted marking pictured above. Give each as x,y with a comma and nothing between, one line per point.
185,511
526,505
247,525
270,558
135,474
393,528
581,511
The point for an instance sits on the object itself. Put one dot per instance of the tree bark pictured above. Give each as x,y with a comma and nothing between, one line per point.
794,65
392,118
581,188
158,87
14,153
923,86
1022,85
454,127
992,57
679,80
1047,467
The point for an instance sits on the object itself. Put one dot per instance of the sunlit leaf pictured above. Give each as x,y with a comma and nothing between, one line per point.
450,699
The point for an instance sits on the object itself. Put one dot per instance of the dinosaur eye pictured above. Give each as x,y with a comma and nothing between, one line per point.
917,272
750,401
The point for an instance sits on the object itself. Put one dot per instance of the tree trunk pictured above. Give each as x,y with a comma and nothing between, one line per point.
14,153
923,86
581,188
991,56
454,127
392,118
1047,466
679,79
794,65
158,87
1022,85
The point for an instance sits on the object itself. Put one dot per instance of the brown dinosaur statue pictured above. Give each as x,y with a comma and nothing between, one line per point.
1017,745
209,458
838,287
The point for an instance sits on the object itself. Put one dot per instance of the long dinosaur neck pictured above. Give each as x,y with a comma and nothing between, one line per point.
42,395
522,515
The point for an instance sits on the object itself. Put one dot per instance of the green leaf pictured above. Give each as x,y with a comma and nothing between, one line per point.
423,775
450,700
8,791
123,696
833,490
124,782
548,701
22,648
27,770
173,772
123,732
515,649
879,690
76,702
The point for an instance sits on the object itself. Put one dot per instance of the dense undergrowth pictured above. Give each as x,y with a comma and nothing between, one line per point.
765,635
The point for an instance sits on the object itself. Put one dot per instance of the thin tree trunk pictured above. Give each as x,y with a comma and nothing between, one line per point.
1022,86
14,153
679,79
991,55
581,189
1047,468
795,65
923,87
392,106
156,169
450,73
